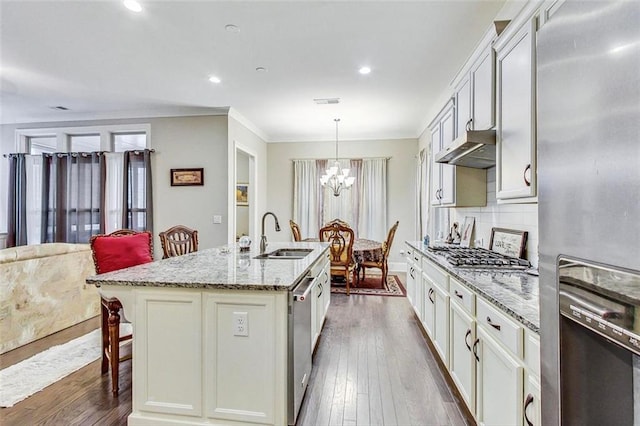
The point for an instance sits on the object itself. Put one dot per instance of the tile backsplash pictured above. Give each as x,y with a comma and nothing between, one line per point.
522,217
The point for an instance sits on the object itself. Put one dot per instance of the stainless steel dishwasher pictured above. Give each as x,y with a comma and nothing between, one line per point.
299,365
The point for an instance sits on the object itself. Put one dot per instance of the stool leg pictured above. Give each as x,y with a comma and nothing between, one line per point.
114,340
104,313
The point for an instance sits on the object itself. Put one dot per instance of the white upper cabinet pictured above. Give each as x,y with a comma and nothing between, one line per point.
463,103
483,83
453,186
516,110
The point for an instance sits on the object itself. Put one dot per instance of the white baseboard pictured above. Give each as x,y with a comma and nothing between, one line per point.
397,266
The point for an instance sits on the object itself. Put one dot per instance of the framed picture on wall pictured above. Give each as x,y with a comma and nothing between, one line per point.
242,194
187,177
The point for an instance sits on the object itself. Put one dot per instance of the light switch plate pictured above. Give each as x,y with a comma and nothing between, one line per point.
217,219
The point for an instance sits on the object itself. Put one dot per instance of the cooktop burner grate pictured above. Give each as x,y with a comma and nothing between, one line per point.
465,257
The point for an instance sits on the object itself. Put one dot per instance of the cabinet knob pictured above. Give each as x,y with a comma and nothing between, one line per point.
527,403
524,175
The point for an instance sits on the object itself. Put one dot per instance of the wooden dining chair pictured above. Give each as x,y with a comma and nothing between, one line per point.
178,240
382,262
118,250
338,221
341,240
295,231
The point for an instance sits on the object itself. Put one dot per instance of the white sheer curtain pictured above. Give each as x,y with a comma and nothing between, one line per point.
33,166
306,184
373,199
114,191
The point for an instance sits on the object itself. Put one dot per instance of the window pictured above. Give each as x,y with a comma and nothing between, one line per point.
85,143
129,141
41,144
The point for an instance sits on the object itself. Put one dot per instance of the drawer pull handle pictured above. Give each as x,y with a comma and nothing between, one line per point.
527,403
496,326
458,294
321,290
475,349
466,342
431,294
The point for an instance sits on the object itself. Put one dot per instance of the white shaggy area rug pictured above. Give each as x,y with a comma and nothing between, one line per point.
27,377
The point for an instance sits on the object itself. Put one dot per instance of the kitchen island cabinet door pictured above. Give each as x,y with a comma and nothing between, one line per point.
168,352
516,117
462,363
499,387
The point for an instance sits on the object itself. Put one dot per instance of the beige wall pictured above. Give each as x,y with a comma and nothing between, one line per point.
244,139
179,142
401,174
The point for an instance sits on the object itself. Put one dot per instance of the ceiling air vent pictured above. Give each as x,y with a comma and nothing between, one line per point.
60,108
327,101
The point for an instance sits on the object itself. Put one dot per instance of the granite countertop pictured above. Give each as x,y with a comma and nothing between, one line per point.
513,292
219,268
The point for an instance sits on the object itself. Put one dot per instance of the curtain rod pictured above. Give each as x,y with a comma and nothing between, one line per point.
344,158
137,151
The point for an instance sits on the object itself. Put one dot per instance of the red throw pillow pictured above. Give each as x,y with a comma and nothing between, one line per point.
112,253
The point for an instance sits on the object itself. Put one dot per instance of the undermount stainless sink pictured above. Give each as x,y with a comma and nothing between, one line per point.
286,253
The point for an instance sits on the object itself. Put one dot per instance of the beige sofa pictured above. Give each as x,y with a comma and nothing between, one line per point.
43,290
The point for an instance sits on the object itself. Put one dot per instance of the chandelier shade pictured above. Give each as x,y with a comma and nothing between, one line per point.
337,182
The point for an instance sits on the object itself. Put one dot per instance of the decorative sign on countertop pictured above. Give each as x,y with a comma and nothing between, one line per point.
508,242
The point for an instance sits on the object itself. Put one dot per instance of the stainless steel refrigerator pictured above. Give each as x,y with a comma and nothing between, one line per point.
588,115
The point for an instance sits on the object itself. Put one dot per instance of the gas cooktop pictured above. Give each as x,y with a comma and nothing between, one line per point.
466,257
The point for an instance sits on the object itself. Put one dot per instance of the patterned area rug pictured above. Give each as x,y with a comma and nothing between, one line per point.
371,286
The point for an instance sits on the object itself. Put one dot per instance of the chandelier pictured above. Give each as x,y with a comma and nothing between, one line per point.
337,182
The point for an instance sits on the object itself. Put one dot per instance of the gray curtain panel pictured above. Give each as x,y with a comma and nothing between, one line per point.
17,206
137,205
73,192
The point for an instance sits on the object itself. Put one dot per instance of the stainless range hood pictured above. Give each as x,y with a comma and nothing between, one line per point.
473,148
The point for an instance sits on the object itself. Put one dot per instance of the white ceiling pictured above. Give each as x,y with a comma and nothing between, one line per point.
100,60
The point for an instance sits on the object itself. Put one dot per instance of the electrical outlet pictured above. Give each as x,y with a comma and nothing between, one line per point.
240,324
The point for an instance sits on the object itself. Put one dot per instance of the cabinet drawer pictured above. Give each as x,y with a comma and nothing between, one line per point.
437,275
461,294
501,327
532,353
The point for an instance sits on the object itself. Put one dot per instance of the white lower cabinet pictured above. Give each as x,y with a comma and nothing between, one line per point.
321,296
441,323
462,364
499,383
493,359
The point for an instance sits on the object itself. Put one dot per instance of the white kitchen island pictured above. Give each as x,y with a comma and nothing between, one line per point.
192,362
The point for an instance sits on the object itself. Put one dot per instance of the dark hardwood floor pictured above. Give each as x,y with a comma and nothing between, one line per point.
372,366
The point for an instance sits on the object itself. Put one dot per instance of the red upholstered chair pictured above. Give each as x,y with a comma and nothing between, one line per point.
118,250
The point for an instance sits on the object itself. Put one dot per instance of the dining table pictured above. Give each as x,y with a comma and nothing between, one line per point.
363,249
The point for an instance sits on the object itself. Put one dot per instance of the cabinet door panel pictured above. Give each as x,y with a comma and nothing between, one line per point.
531,402
447,172
437,167
463,106
462,363
441,324
516,139
484,92
500,383
428,306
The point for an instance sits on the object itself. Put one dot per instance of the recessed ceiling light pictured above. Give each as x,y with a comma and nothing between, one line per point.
132,5
232,28
327,101
364,70
214,79
261,69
